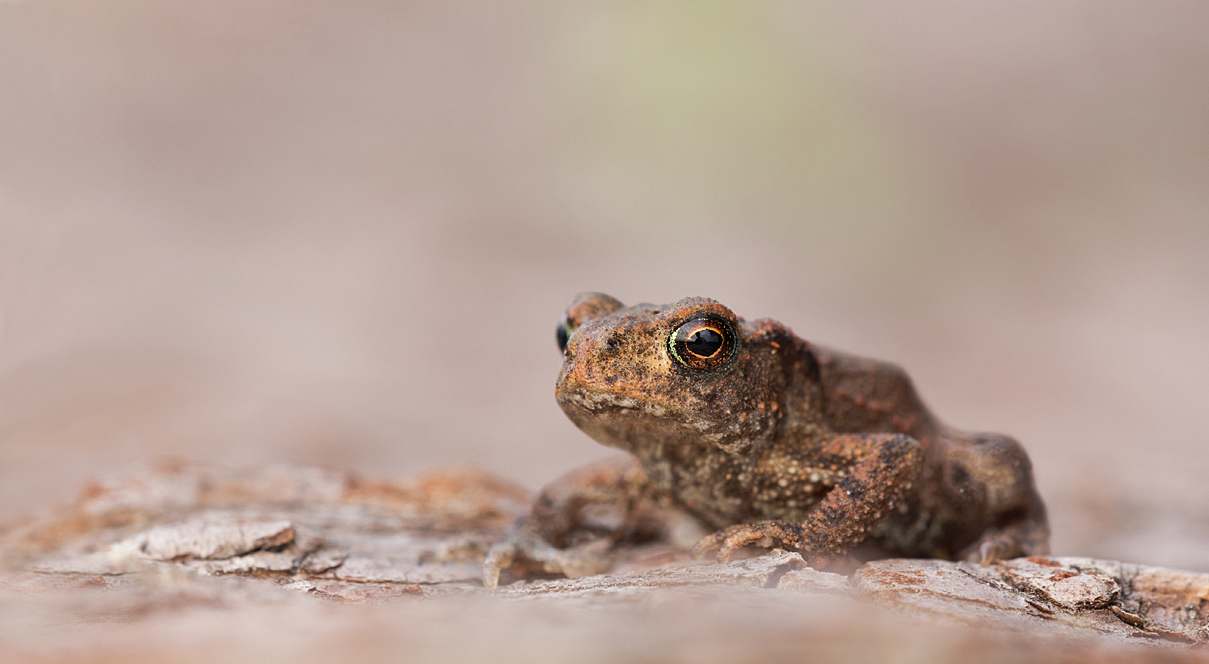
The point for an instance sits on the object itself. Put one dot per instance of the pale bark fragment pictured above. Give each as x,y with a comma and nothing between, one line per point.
211,539
1062,585
760,572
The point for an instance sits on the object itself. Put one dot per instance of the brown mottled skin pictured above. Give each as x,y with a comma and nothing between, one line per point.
771,441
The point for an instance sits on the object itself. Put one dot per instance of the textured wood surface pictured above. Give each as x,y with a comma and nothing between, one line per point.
188,563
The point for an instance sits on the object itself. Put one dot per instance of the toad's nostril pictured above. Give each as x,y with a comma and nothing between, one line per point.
613,342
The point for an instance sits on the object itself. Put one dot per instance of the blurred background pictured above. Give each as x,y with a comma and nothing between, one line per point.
343,233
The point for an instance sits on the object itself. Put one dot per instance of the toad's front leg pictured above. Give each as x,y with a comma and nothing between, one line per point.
538,540
879,471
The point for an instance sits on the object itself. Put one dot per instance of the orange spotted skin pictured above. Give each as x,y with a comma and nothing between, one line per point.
773,441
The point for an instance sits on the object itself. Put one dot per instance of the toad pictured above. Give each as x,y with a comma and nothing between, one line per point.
769,441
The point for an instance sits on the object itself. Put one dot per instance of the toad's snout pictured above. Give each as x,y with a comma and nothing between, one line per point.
610,370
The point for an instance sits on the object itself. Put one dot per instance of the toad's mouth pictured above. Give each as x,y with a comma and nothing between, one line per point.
595,401
627,422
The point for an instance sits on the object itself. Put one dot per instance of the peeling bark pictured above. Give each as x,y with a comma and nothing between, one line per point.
200,535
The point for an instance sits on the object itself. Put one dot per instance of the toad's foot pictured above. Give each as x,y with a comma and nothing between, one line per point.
766,534
1023,538
524,551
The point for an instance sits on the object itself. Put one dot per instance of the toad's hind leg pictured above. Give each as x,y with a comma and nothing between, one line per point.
880,469
991,476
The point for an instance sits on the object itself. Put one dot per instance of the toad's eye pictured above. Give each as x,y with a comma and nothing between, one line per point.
563,334
703,344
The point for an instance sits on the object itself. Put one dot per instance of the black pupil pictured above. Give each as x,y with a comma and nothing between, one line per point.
704,342
562,337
